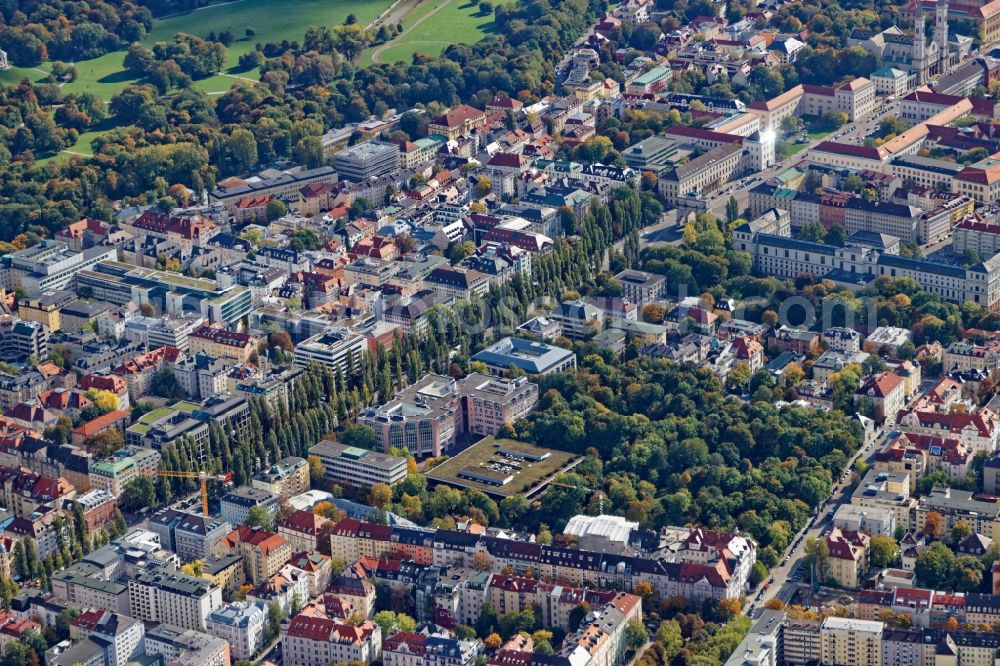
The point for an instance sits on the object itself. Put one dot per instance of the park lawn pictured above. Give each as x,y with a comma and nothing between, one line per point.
795,148
215,85
456,22
15,75
816,135
423,8
271,20
83,146
102,76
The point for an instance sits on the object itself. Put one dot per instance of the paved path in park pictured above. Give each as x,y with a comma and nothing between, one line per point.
376,55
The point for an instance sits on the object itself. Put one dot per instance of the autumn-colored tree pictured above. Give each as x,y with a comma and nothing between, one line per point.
794,374
644,589
317,471
483,187
106,401
493,641
933,524
775,604
321,508
481,561
653,313
380,496
730,608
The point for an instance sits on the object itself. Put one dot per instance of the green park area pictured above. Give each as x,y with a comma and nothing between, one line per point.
432,26
268,20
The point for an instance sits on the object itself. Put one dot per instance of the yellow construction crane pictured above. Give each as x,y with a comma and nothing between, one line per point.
201,476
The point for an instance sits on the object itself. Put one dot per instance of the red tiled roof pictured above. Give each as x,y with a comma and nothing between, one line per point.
509,160
306,522
101,423
458,116
187,227
848,149
699,133
254,201
112,383
883,384
414,643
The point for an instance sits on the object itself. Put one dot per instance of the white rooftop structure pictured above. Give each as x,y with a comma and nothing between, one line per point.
307,500
609,528
852,624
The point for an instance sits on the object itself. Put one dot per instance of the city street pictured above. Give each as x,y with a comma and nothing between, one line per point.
783,586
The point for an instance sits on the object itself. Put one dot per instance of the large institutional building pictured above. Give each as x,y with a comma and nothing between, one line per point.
865,257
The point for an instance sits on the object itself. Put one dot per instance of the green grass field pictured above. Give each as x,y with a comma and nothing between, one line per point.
434,25
270,21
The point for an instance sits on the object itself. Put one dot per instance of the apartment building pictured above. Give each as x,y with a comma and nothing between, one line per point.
240,624
461,283
710,565
286,478
640,287
226,571
82,586
850,642
113,474
23,493
235,506
98,508
138,371
886,394
313,639
600,640
337,349
21,339
191,535
979,430
45,308
158,595
889,491
221,343
350,466
263,552
977,234
202,376
962,356
955,505
120,637
579,320
186,647
848,561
